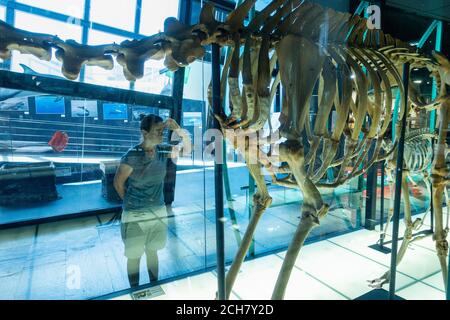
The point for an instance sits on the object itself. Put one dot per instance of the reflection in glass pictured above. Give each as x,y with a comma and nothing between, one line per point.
96,132
2,13
114,13
137,111
115,111
139,181
14,100
96,75
96,37
39,24
84,108
155,80
153,15
72,8
49,105
199,74
26,63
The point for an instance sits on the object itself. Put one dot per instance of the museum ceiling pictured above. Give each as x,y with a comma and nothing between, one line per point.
415,16
436,9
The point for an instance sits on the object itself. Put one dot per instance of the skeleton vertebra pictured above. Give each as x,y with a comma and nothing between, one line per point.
355,69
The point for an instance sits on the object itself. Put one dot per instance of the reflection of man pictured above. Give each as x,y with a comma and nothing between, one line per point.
139,182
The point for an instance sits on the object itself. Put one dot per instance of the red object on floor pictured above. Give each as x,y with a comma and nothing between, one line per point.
59,141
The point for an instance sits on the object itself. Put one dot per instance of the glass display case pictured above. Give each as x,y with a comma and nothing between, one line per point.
63,231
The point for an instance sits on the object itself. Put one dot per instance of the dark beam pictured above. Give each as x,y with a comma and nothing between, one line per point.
56,86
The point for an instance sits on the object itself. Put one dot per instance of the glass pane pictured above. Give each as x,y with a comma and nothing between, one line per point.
153,81
98,37
153,16
96,75
279,222
35,23
72,8
345,237
69,260
188,208
42,140
2,13
114,13
197,75
54,179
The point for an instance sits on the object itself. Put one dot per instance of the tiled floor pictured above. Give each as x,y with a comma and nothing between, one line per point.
337,268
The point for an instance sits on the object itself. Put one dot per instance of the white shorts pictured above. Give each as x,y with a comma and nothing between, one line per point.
144,230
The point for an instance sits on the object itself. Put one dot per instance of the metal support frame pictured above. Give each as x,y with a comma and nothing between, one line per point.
85,32
218,177
382,165
228,195
371,195
60,86
137,16
137,26
398,186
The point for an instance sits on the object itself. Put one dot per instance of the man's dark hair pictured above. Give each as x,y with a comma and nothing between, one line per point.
149,120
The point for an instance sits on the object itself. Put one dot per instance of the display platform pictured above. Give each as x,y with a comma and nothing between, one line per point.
85,198
90,192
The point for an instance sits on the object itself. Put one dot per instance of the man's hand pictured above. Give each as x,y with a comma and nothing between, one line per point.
177,133
171,124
